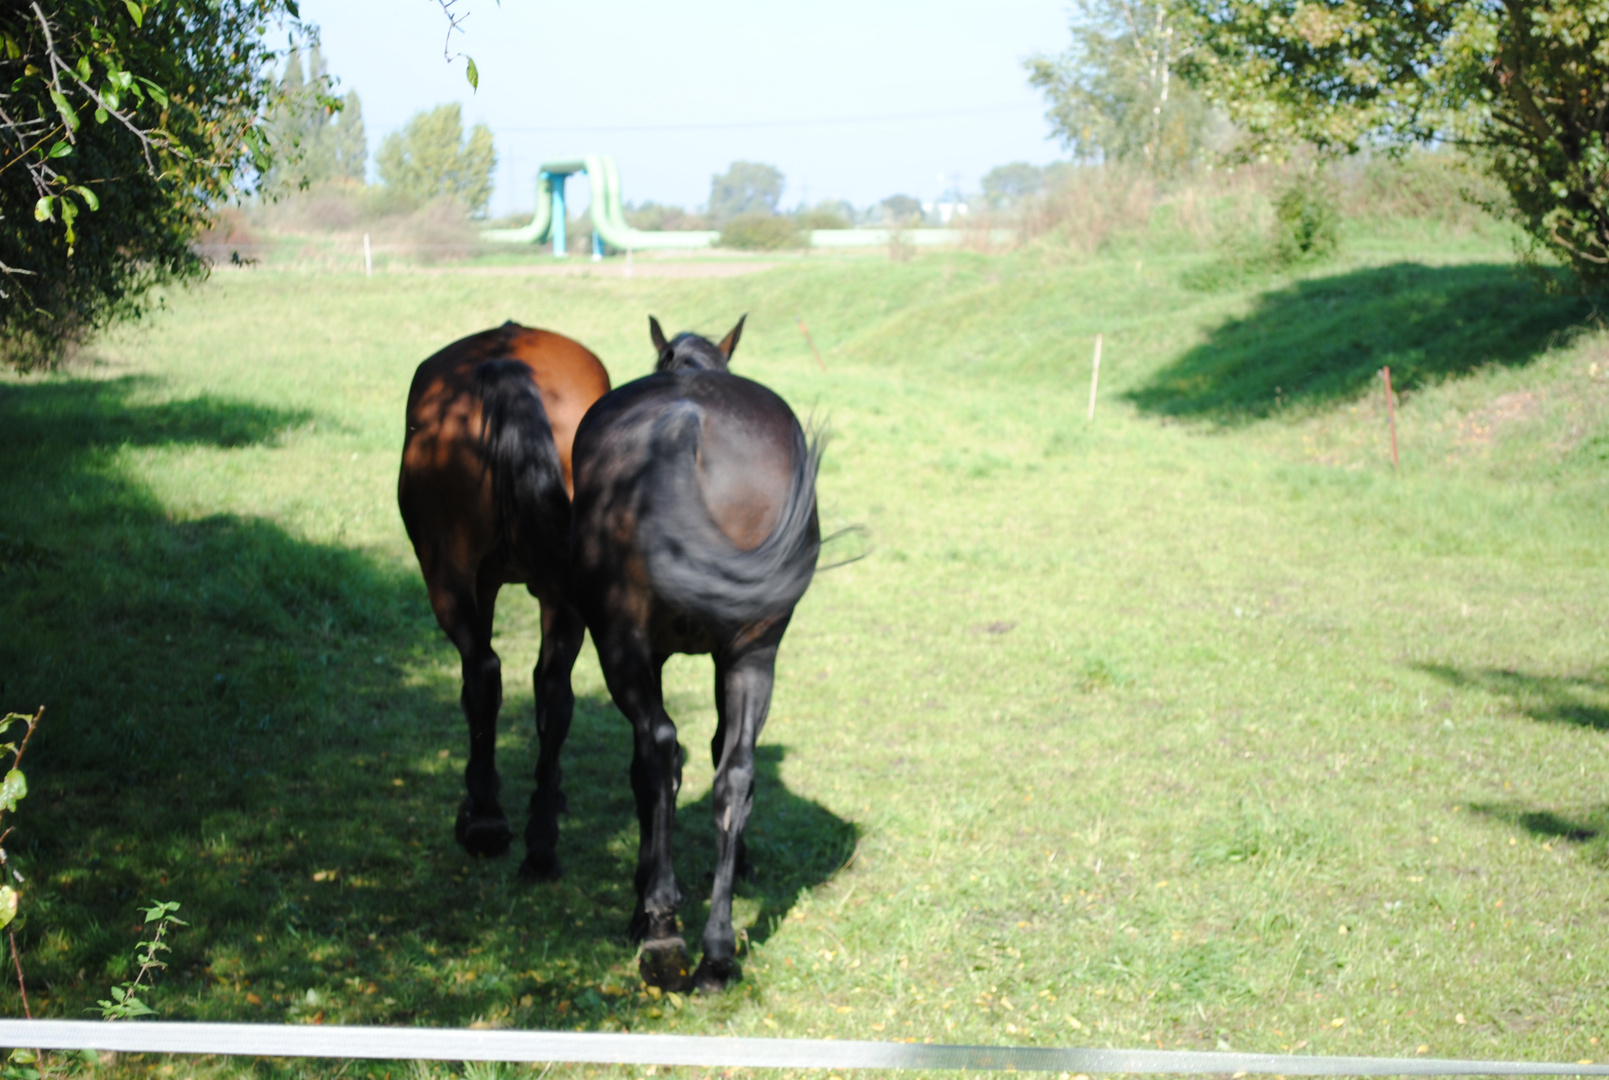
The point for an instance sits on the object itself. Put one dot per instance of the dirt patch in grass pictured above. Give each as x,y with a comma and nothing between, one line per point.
610,269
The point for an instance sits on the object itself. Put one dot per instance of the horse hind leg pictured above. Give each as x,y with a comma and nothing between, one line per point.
633,675
482,828
562,632
744,869
744,690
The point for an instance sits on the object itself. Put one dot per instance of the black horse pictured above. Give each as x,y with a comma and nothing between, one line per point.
694,531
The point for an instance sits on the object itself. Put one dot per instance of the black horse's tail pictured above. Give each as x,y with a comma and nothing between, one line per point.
517,445
693,565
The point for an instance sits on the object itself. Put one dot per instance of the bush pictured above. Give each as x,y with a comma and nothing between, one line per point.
761,232
1306,222
116,183
821,218
657,217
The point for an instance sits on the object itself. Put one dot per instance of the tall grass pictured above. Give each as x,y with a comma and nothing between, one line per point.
1234,211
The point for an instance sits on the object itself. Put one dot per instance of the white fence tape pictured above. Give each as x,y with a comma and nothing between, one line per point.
457,1044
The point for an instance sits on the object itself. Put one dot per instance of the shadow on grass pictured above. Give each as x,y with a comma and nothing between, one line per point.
1321,341
1582,700
1547,823
266,729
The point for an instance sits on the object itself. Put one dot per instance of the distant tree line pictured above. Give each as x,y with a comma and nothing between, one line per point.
750,192
320,133
323,144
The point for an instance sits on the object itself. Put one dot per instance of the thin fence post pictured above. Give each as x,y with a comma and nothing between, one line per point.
368,261
805,330
1094,376
1391,414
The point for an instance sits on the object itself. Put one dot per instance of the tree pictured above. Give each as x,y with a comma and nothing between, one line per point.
1520,84
122,124
1008,185
746,187
431,159
1113,94
319,134
902,210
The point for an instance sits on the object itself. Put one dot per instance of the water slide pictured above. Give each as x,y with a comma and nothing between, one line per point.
608,217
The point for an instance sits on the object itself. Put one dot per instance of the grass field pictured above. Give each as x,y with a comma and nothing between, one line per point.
1193,726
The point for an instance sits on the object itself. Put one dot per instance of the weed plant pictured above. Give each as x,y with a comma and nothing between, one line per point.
1195,726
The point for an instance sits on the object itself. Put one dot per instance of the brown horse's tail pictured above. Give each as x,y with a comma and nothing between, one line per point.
692,563
517,446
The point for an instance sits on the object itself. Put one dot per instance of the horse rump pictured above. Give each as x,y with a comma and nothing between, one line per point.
693,565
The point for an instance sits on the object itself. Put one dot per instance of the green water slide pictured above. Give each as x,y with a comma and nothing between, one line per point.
608,216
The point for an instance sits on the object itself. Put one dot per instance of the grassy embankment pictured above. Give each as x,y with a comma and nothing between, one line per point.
1195,726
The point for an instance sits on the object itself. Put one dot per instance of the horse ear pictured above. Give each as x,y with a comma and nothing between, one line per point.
658,336
728,344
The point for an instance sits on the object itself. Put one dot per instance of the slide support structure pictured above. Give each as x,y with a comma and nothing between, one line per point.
556,185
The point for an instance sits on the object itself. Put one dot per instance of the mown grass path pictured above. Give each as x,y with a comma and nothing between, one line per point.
1146,731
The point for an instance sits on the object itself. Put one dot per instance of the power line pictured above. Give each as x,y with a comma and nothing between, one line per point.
829,121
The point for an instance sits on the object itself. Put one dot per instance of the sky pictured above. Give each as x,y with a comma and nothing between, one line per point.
851,99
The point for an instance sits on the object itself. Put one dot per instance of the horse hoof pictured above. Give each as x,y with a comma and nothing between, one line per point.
664,963
488,836
540,868
714,976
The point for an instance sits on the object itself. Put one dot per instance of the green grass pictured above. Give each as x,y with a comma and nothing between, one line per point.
1195,726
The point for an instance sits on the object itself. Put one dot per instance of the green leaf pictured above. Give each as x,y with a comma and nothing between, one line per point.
83,67
160,908
109,92
15,785
91,200
157,92
472,73
23,1057
63,106
9,898
44,209
100,115
136,12
290,6
61,149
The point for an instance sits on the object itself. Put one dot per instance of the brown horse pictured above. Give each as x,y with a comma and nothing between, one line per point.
485,496
695,531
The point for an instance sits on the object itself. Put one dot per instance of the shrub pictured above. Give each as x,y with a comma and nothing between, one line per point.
657,217
761,232
821,218
1306,221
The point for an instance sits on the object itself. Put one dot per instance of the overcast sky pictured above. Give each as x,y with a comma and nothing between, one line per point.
851,100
